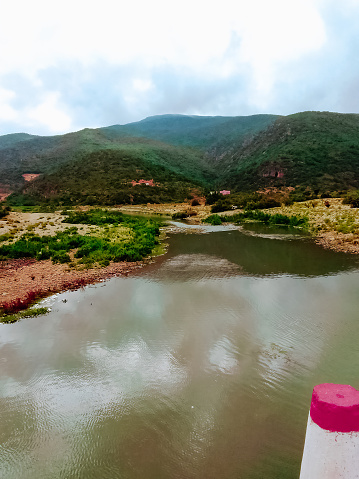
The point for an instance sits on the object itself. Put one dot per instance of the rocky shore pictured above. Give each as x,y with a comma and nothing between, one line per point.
20,277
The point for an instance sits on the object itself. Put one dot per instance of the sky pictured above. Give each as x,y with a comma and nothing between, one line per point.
67,65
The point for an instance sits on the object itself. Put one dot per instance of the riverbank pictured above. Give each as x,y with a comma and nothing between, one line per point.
25,280
333,225
21,276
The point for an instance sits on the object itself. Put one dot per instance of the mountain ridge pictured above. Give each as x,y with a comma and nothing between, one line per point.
315,150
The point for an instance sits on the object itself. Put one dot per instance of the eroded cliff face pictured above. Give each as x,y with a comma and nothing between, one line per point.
274,173
272,170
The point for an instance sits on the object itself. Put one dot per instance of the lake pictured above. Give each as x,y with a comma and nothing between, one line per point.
199,366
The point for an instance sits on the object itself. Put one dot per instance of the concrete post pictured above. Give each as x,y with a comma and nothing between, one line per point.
331,449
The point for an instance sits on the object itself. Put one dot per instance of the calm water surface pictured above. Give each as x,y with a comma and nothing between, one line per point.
201,366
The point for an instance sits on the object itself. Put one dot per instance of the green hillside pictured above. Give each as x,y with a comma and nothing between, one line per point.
105,178
40,154
186,146
46,155
315,149
205,132
7,141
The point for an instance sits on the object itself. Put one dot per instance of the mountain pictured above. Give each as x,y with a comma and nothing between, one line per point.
204,132
181,145
7,141
45,155
312,149
315,150
109,177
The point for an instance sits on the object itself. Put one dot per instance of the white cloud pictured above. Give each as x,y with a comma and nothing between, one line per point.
142,85
116,57
187,33
50,114
7,112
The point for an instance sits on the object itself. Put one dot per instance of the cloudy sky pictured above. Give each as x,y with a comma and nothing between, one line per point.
67,65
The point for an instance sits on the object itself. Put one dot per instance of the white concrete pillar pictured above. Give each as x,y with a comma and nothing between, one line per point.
331,449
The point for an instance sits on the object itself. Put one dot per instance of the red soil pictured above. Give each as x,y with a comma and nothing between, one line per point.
20,277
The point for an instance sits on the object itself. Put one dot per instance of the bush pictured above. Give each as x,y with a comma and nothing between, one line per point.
268,219
212,198
4,211
213,220
221,205
60,257
352,199
91,249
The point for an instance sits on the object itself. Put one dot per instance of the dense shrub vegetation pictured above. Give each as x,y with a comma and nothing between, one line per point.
260,216
105,178
4,211
352,199
213,220
314,152
245,200
137,243
315,149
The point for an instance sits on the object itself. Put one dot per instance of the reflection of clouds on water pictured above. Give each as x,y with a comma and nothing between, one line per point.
10,388
293,313
136,367
223,356
148,302
183,361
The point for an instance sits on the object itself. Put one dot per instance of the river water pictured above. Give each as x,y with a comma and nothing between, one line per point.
200,366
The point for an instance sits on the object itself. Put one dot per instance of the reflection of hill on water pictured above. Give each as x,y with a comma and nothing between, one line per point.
222,254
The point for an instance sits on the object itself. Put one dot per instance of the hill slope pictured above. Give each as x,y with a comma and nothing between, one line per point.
319,150
316,149
105,177
7,141
182,145
205,132
45,155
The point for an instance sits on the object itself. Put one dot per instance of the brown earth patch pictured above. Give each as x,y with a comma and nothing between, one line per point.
5,191
20,277
30,176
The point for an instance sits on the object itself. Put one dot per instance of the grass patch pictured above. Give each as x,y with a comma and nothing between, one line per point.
116,237
28,313
325,215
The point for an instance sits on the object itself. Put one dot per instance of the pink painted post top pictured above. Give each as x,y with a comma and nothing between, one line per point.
335,407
